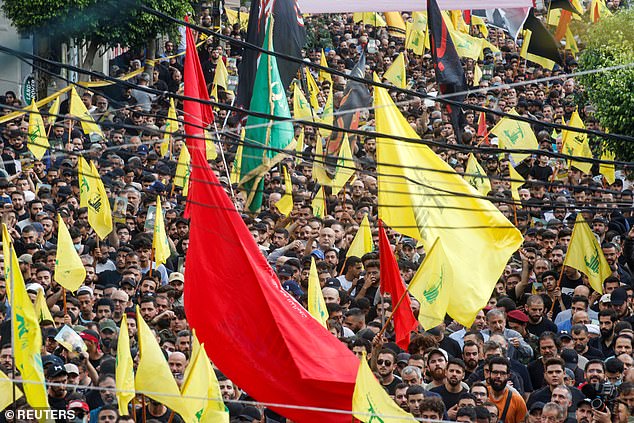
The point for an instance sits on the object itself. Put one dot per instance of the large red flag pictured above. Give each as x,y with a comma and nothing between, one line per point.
253,330
392,283
196,114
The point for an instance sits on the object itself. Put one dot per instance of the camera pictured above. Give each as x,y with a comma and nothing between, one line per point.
602,395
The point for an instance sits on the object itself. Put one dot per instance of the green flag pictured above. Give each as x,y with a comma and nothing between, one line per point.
265,138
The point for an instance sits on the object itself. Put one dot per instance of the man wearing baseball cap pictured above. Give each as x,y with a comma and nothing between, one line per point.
56,379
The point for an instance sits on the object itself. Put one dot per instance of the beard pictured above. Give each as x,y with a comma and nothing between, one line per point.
606,333
453,381
438,374
497,386
471,364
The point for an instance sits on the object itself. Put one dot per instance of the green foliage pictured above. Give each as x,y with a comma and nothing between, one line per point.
104,22
317,32
610,42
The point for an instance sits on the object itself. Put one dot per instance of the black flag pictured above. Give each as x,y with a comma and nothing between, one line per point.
539,45
355,96
449,72
289,37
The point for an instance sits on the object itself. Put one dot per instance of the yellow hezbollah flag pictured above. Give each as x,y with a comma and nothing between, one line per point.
153,376
513,135
476,176
79,111
432,286
28,336
171,126
313,90
516,182
431,194
210,146
316,302
124,372
327,115
395,24
576,143
345,167
598,10
585,255
285,204
6,252
323,75
369,18
38,141
319,204
221,78
478,22
183,170
53,111
159,240
362,242
99,212
69,269
466,45
370,402
396,72
41,308
299,149
233,16
6,391
237,161
301,108
417,36
84,172
607,169
215,410
195,387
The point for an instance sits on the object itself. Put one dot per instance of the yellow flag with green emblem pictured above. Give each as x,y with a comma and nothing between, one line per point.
215,410
327,115
316,302
476,176
99,212
513,135
585,255
69,269
38,141
417,36
27,334
430,194
607,169
301,108
371,403
159,240
319,204
396,72
576,143
432,286
124,371
345,166
313,90
466,45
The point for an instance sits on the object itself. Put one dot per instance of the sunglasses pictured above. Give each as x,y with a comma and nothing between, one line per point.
386,362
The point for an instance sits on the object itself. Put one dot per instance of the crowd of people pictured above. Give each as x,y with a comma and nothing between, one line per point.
547,348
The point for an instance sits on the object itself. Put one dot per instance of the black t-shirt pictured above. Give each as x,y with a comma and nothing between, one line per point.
449,398
164,418
545,325
451,346
391,388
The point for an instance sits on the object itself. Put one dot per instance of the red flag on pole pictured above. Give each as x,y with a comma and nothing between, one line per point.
482,128
196,113
253,330
392,283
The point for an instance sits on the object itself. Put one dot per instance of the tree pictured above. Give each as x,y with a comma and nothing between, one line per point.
96,22
610,42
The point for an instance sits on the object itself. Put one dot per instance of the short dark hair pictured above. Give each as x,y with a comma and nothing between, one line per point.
554,361
433,404
498,360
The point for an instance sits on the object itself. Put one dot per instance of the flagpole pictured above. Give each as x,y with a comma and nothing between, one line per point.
222,153
12,285
389,319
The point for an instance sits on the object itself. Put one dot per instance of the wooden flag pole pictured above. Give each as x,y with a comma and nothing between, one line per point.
389,319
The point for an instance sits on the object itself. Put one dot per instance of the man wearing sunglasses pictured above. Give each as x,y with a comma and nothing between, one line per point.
385,365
